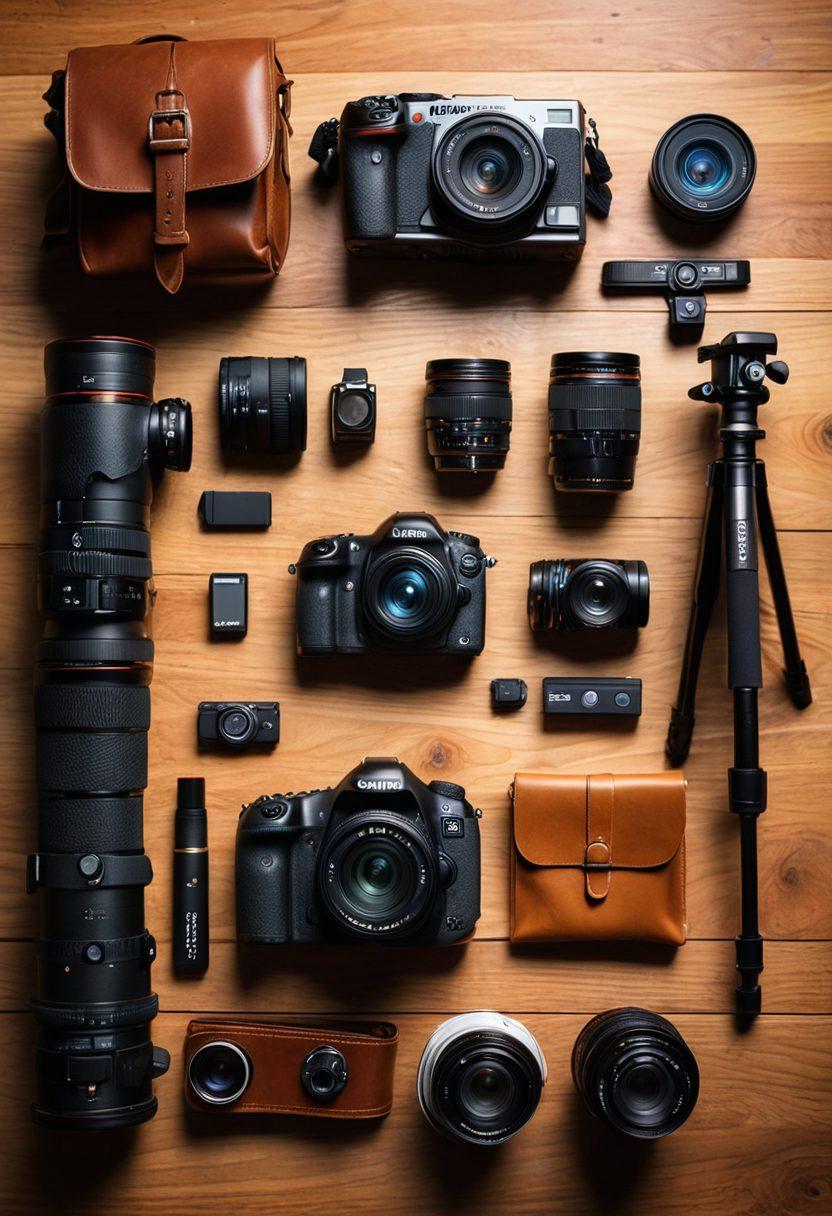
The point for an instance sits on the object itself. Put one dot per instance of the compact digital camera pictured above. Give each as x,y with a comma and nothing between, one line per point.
463,176
410,587
380,857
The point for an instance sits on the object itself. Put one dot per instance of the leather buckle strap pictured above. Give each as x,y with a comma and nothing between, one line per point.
169,141
600,793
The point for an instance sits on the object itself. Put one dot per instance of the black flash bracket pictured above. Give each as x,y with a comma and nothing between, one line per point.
683,283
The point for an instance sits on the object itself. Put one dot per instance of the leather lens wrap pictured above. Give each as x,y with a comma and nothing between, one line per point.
277,1051
599,857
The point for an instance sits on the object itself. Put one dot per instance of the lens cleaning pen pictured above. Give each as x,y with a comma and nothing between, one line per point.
190,878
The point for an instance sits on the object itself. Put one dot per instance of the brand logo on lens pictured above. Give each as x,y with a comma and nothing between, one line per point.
373,783
742,540
409,533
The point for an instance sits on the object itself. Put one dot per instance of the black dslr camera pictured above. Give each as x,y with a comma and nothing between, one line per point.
410,587
381,857
494,177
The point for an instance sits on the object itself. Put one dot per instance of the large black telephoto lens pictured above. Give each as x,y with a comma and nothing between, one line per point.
703,168
263,405
594,420
104,444
468,414
635,1073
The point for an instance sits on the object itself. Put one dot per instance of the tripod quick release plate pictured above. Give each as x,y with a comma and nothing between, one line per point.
683,282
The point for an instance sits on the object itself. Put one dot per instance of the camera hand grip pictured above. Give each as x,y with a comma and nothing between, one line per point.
369,168
262,892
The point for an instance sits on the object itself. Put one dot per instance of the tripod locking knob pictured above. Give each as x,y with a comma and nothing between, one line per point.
778,371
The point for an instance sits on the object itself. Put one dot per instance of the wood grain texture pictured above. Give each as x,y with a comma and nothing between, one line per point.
759,1141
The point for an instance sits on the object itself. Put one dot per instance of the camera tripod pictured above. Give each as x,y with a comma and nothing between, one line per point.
737,506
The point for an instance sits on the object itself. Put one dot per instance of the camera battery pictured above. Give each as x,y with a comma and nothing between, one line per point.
228,600
601,696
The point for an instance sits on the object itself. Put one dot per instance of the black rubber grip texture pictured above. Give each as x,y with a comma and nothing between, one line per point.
88,1017
82,825
92,707
280,404
744,657
602,407
73,763
95,536
68,651
114,949
464,406
94,563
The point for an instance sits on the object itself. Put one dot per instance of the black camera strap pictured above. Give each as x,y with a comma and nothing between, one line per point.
598,193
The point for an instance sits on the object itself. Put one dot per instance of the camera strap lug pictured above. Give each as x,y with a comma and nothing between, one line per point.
323,149
598,193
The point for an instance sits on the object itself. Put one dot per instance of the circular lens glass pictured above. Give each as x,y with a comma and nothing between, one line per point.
409,596
703,168
377,875
489,174
236,724
219,1073
480,1077
404,593
635,1072
596,595
353,409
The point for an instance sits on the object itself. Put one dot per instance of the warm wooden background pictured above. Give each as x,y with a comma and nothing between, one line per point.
759,1141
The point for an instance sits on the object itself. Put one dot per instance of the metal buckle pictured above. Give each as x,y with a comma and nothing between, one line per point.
168,116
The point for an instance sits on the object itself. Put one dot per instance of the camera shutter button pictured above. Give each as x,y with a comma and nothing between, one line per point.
274,810
469,565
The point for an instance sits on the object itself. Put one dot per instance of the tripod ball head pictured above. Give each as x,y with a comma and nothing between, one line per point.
739,368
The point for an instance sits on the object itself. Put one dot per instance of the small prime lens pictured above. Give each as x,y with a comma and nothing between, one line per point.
703,168
594,420
468,414
237,724
591,593
480,1077
219,1073
262,405
635,1073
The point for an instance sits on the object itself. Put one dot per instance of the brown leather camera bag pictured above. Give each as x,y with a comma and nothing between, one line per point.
177,158
598,857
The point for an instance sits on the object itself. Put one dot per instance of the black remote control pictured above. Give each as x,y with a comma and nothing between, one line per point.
593,696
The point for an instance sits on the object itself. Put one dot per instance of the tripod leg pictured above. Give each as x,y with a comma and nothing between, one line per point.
705,589
795,673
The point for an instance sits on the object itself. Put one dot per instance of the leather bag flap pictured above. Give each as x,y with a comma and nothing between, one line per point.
551,815
230,91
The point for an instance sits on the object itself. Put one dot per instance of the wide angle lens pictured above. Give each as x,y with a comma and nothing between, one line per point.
635,1073
468,412
262,405
594,420
703,168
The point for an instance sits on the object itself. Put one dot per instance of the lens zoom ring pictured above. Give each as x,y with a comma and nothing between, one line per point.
465,407
115,949
79,763
92,707
102,1016
95,650
95,536
85,825
574,407
280,404
94,562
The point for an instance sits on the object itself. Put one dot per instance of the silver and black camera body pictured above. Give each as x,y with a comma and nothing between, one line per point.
491,177
380,857
411,587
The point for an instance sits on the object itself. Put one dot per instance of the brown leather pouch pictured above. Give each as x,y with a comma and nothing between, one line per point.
276,1053
598,858
176,158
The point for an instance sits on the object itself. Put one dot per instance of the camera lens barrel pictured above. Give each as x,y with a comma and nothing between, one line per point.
262,405
635,1072
588,593
104,444
703,168
468,409
594,420
480,1078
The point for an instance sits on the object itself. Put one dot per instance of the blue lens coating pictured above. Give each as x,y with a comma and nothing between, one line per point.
703,169
404,594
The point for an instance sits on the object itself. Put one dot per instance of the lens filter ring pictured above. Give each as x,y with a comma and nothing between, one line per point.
377,875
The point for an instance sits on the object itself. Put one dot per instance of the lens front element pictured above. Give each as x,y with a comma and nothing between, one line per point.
219,1073
703,168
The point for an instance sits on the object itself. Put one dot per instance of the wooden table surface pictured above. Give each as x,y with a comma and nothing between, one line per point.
759,1141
